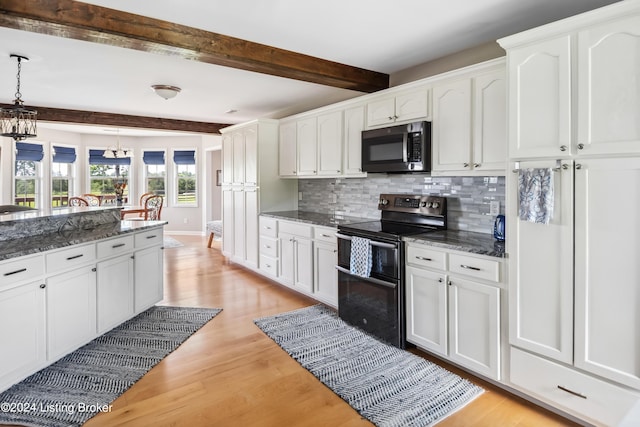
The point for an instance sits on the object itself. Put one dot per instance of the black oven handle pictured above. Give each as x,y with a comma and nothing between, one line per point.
368,279
373,242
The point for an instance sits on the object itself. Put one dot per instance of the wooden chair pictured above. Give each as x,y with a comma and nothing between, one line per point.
153,206
143,201
77,201
92,199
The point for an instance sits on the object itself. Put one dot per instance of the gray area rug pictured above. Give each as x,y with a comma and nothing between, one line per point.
85,382
169,242
386,385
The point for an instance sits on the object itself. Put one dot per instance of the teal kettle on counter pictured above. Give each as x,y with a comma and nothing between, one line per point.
498,228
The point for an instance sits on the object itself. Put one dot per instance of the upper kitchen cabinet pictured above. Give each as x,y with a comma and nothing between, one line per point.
353,126
398,107
469,121
579,74
287,149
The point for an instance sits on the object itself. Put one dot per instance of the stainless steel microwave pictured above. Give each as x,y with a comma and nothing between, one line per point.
401,148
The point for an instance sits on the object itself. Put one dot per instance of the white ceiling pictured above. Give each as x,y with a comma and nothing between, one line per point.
382,36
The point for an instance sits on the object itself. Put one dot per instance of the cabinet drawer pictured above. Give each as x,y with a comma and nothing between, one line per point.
268,227
325,234
148,238
70,257
295,228
269,265
269,246
480,268
595,399
21,269
426,257
116,246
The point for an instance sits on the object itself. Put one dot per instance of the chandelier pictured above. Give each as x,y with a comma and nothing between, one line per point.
17,121
117,152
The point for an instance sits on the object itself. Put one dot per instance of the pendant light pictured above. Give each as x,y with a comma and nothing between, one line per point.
117,152
17,121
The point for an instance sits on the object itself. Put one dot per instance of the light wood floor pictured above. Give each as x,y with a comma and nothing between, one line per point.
230,374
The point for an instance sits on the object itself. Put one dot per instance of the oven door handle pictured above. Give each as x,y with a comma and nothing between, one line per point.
372,242
368,279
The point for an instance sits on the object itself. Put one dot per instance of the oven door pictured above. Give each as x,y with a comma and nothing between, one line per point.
372,305
385,257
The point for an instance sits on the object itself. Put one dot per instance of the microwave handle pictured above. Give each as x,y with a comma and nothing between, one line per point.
405,148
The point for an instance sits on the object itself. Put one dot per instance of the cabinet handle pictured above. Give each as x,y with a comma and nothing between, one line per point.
325,235
469,267
423,258
267,246
152,237
74,257
390,117
476,165
578,166
22,270
267,227
580,146
133,257
268,265
94,269
42,286
575,393
440,280
449,283
466,165
563,148
119,245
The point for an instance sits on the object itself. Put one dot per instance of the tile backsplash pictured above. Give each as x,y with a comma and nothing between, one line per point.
468,198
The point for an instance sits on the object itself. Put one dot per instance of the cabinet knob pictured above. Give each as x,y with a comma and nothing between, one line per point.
440,280
42,286
476,165
580,146
390,117
578,166
466,165
563,148
94,269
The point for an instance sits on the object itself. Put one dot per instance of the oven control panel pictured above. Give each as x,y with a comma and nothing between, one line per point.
412,203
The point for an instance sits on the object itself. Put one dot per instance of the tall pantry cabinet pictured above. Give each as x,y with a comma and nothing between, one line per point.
250,185
574,107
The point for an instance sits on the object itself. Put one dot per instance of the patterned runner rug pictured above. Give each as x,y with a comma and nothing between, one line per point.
85,382
386,385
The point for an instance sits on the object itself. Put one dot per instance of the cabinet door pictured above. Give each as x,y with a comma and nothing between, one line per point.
287,150
287,259
251,227
412,105
381,111
426,295
330,143
609,88
474,326
148,277
22,332
71,311
452,126
115,292
307,139
238,157
490,122
228,221
239,223
303,264
541,271
540,99
326,275
353,127
227,158
251,155
607,274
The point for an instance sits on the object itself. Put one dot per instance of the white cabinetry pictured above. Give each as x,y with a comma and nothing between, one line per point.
398,107
453,307
287,149
255,186
353,127
469,121
148,266
325,258
296,255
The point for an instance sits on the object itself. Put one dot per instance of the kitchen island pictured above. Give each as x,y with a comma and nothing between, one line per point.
67,276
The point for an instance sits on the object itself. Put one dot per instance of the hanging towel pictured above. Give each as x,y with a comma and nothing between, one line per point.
360,263
535,188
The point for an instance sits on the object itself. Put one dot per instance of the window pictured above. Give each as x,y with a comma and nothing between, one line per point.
105,175
186,182
61,175
28,174
155,172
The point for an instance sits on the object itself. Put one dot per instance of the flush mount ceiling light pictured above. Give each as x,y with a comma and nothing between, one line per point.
17,121
166,91
117,152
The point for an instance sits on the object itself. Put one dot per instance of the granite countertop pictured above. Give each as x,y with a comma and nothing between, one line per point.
45,242
315,218
465,241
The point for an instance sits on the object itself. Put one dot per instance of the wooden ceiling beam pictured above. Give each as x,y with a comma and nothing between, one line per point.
122,120
82,21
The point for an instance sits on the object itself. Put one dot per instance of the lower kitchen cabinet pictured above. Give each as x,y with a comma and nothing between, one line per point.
148,266
325,274
296,262
455,315
115,291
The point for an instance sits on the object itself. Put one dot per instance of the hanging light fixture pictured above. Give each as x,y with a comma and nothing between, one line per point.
117,152
17,121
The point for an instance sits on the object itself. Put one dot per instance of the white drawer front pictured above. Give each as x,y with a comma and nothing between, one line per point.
426,257
114,247
269,246
70,257
480,268
296,228
268,227
21,269
325,234
269,265
570,390
148,238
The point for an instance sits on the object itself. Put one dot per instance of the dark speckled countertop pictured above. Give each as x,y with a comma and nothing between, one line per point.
465,241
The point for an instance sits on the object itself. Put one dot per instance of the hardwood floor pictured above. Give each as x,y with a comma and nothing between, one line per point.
230,374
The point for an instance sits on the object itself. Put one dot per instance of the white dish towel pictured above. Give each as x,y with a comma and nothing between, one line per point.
361,259
535,194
